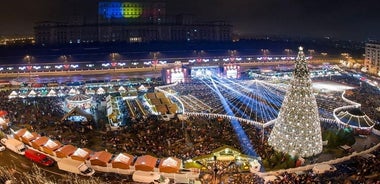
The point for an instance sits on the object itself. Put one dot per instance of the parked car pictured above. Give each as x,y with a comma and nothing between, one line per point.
38,157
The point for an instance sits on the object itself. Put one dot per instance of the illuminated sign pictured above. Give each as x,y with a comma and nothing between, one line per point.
205,71
232,71
175,75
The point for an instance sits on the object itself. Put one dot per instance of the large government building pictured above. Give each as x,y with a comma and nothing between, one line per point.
372,58
132,21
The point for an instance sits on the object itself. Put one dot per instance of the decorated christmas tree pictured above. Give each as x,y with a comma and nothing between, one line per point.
297,129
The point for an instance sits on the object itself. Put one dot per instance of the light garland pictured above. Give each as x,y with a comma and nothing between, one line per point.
297,129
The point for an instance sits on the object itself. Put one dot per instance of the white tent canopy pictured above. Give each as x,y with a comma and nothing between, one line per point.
122,89
13,94
32,93
60,93
72,91
142,88
100,91
52,93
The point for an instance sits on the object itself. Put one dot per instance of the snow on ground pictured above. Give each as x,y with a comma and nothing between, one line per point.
330,86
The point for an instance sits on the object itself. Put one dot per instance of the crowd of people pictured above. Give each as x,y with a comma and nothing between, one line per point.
260,103
360,169
184,139
366,95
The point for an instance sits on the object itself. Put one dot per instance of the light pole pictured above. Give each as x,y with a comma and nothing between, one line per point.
288,52
265,52
114,57
311,52
65,61
28,60
233,54
155,58
199,55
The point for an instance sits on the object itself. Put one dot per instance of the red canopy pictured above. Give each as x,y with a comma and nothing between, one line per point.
3,113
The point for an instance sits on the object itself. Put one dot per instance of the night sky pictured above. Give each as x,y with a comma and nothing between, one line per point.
341,19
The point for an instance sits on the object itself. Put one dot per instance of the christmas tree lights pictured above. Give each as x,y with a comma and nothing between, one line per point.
297,129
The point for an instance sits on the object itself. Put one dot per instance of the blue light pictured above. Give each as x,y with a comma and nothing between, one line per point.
110,9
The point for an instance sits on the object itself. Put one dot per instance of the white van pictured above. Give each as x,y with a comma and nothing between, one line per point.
14,145
149,177
75,166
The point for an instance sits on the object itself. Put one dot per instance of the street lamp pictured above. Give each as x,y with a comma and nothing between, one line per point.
114,57
64,59
288,52
265,52
233,54
199,54
311,52
28,59
155,58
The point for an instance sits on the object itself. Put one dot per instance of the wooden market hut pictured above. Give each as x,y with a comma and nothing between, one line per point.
20,133
81,154
50,146
170,165
38,142
101,158
28,137
65,151
122,161
146,163
25,136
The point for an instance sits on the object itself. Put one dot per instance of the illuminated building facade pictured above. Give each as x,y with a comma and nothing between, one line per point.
24,40
131,11
132,21
372,58
297,129
60,33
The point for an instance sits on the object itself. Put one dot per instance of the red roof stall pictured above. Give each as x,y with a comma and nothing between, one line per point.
81,154
38,142
170,165
50,146
122,161
145,163
28,137
19,133
101,158
65,151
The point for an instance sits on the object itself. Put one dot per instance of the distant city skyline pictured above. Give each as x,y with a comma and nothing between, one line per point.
348,20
